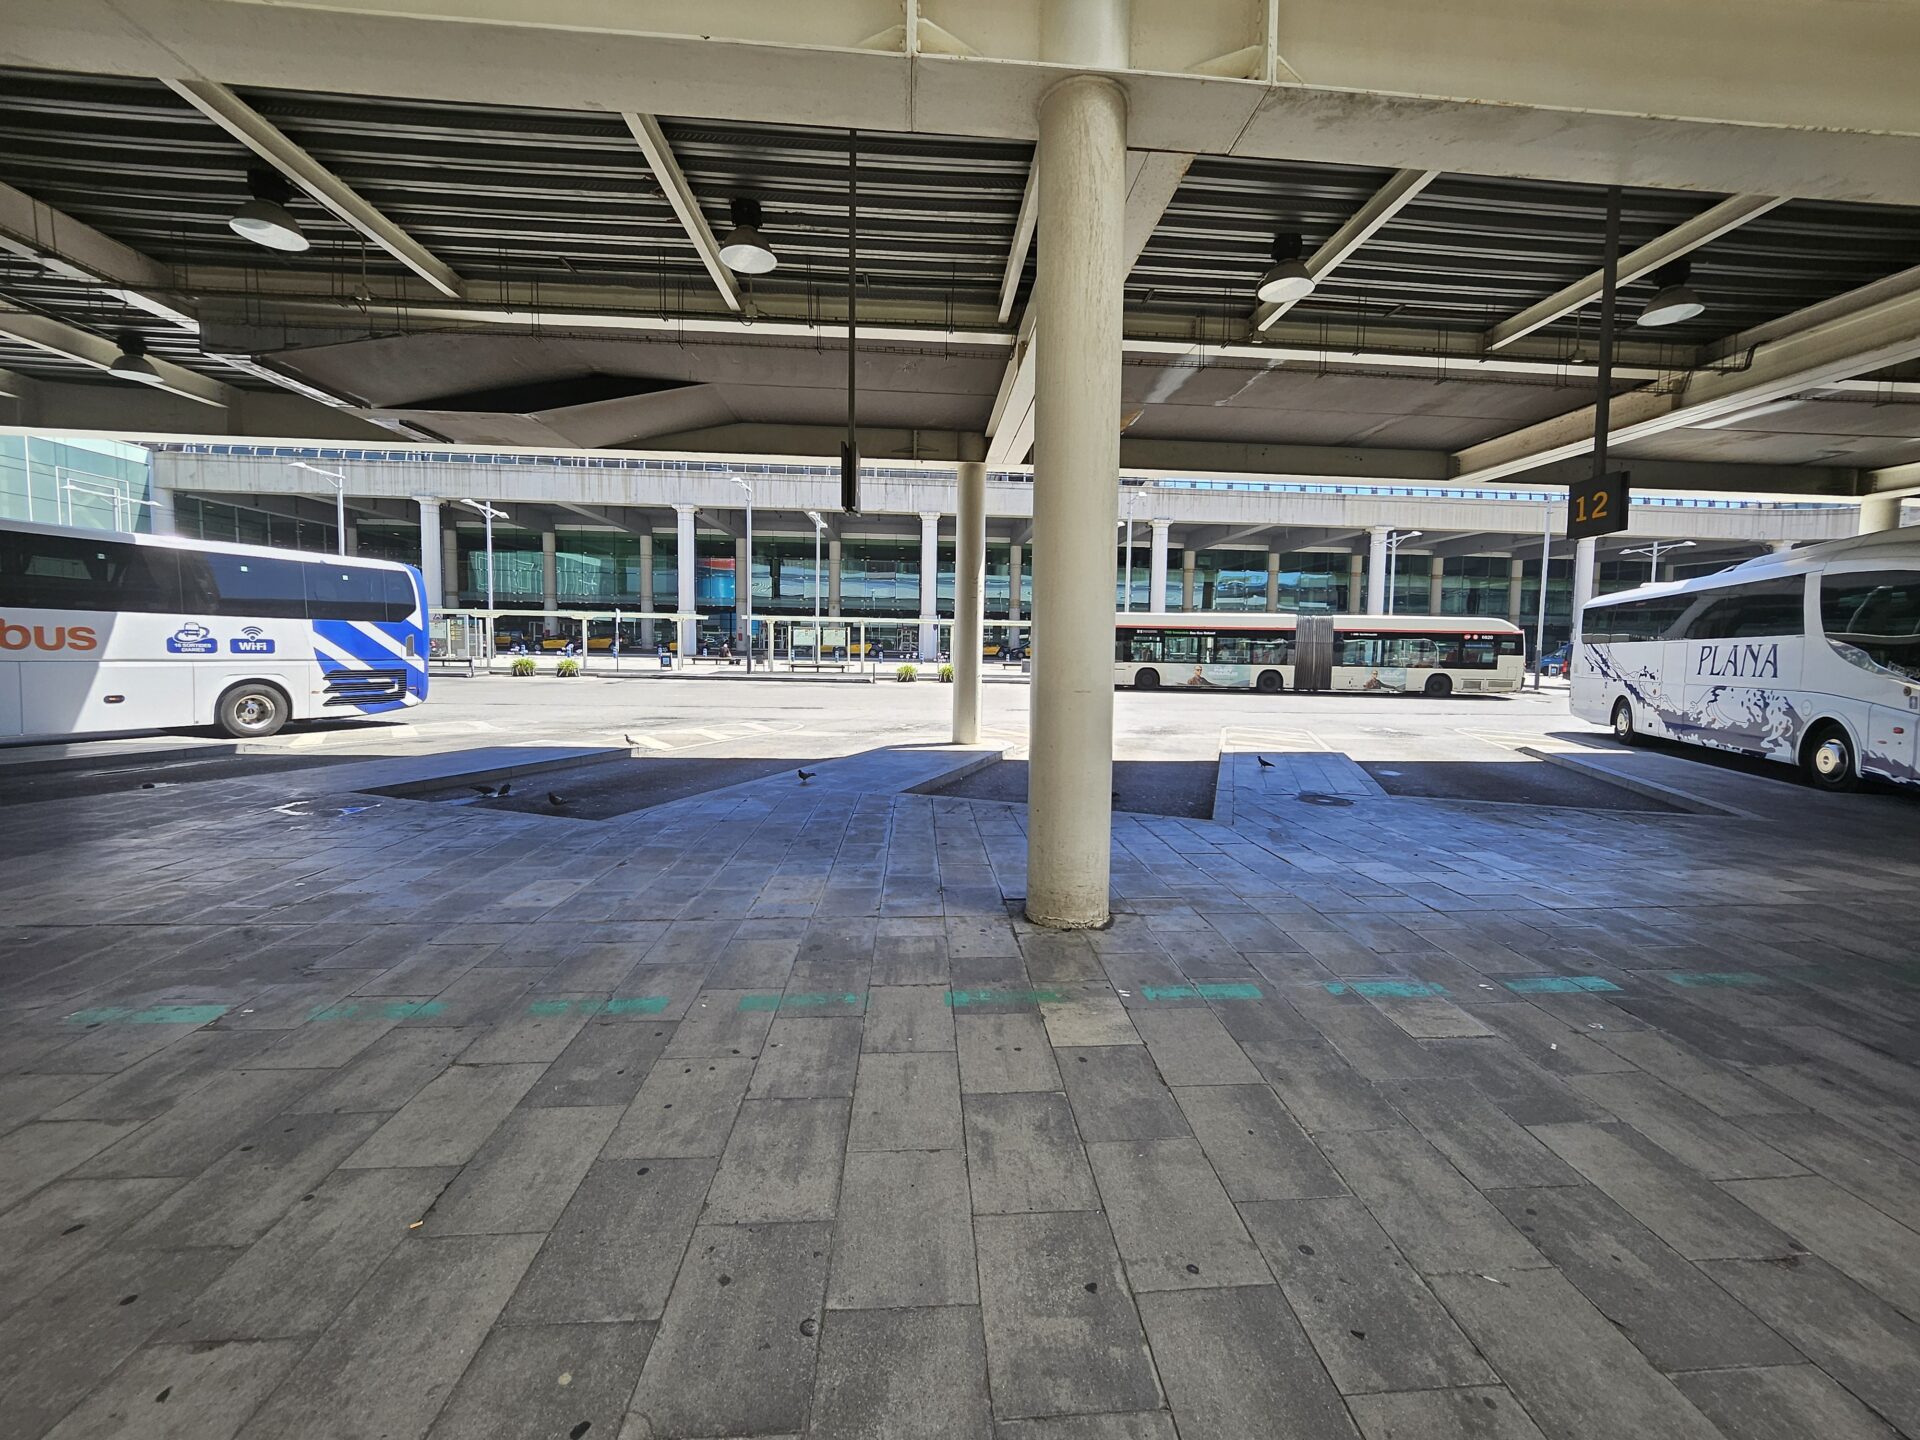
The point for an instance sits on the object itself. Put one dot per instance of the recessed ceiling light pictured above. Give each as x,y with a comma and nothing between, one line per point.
1289,280
1674,301
264,219
745,251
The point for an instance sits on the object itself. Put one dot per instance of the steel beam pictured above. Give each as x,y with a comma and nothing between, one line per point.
1022,244
59,338
1388,201
74,250
679,194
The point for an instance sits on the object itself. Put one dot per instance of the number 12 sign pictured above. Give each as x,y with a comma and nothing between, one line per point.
1597,506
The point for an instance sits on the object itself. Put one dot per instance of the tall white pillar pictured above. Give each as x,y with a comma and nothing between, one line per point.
969,587
929,583
686,576
1516,578
1189,560
646,571
1378,575
160,518
550,577
1082,157
1016,579
430,546
1582,592
450,565
1273,581
1157,567
353,539
833,577
742,589
1879,512
1355,583
1436,584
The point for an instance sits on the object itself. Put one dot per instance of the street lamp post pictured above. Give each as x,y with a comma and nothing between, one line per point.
1654,551
747,579
490,515
819,526
339,500
1394,541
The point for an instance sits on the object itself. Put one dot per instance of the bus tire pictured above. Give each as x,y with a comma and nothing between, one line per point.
1624,729
1148,679
253,710
1828,760
1271,682
1438,686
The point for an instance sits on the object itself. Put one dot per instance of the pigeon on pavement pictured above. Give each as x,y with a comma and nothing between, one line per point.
486,790
1265,764
557,800
806,775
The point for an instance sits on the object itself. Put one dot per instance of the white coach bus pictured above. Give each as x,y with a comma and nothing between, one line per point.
1811,657
103,631
1428,654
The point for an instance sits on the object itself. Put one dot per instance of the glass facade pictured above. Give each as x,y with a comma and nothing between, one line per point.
244,524
100,484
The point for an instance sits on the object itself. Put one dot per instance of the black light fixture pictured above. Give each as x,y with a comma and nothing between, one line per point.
132,362
745,251
264,219
1289,280
1674,301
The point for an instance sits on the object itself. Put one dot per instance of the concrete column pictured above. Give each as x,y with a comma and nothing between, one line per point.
1082,210
1582,591
550,577
1355,580
1436,586
1377,579
1879,512
930,582
687,573
646,571
353,538
430,546
450,565
159,508
742,588
833,577
969,589
1188,561
1157,567
1016,579
1516,577
1273,581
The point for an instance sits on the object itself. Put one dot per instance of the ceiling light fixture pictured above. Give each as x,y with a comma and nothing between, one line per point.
1289,280
1674,301
132,363
744,251
264,219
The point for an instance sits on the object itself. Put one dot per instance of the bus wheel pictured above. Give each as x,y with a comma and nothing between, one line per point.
1623,729
1269,682
252,711
1146,679
1828,761
1438,686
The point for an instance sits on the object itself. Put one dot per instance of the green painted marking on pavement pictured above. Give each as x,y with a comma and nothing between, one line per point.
1385,989
1557,984
1205,992
152,1015
960,999
636,1005
1707,979
384,1010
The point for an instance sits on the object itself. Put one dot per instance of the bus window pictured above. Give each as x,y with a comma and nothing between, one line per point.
1356,649
337,591
1230,648
1876,614
1182,645
1270,649
1771,607
252,585
1140,647
66,572
397,587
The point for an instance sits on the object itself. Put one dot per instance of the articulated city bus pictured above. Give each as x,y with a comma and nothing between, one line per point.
1811,657
1430,654
103,631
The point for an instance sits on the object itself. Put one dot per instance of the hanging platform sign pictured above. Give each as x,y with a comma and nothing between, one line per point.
1597,506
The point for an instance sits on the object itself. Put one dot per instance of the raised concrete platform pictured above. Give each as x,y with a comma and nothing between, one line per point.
763,1114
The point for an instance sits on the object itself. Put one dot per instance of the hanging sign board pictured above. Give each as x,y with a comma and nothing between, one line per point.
1597,506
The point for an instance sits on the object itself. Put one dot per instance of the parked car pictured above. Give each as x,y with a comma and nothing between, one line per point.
1556,660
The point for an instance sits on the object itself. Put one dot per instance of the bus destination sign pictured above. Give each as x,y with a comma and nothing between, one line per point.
1597,506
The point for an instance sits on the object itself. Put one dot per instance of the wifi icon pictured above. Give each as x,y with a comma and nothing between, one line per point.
252,632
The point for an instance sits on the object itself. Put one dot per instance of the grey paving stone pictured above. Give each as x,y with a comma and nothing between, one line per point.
1141,1425
613,1252
907,1102
524,1175
716,1025
28,1097
402,1343
55,1348
908,1017
735,1350
388,1073
546,1380
905,1374
1024,1154
1791,1402
1888,1181
1174,1224
1577,1376
243,1194
296,1278
1721,1088
1481,1412
1191,1047
1373,1322
204,1125
536,1034
1092,1015
49,1234
1236,1364
808,1058
1062,1333
1117,1094
182,1392
1331,1100
1550,1042
153,1086
604,1065
450,1119
1848,1233
1689,1213
1701,1140
685,1108
1677,1318
1373,1045
905,1236
754,964
1440,1222
782,1162
1002,1054
1258,1150
1431,1018
1484,1143
904,959
35,1154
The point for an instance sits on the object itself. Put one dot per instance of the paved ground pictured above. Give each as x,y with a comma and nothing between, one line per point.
761,1113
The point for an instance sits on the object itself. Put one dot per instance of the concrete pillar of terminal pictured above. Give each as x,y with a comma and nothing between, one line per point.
430,546
929,583
969,587
1583,552
1157,567
1016,578
1082,157
1436,584
160,518
450,565
1879,512
550,578
1377,577
353,539
686,573
1516,578
1273,581
1189,562
833,577
1355,580
646,571
742,588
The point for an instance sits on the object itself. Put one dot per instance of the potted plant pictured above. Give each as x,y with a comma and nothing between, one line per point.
525,666
946,674
567,669
907,674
